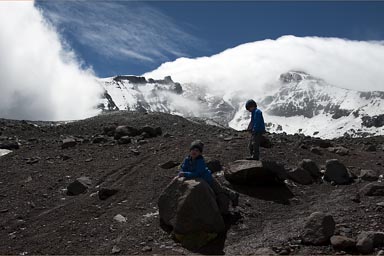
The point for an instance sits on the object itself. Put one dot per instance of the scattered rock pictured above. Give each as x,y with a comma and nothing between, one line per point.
318,229
99,139
342,243
373,189
68,143
316,150
369,175
250,172
9,145
169,165
120,218
33,160
380,253
264,251
150,131
213,165
115,249
367,241
79,186
342,151
109,130
124,130
189,207
311,167
105,193
135,152
89,160
146,249
370,148
301,176
336,172
124,140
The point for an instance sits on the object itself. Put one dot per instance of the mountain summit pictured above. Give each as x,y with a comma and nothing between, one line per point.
298,103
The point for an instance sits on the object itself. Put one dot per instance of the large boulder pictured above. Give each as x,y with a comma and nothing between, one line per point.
336,172
190,208
124,130
311,167
251,172
318,229
373,189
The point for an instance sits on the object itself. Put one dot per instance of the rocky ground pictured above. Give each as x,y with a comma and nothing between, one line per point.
39,217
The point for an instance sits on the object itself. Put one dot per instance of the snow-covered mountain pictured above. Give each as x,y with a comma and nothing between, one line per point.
296,103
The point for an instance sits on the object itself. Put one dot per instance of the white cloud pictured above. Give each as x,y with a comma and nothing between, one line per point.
120,30
252,69
39,77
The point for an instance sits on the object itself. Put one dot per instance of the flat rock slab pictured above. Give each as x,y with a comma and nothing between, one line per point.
250,172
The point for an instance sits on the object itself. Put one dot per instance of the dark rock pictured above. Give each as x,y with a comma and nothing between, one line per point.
146,249
367,241
124,130
311,167
373,189
336,172
265,142
152,132
318,229
342,243
105,193
189,207
264,251
369,175
169,165
159,131
9,145
301,176
109,130
99,139
316,150
68,143
370,148
135,152
124,140
213,165
79,186
250,172
339,150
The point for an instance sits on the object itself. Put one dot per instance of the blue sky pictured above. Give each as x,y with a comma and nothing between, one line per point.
125,37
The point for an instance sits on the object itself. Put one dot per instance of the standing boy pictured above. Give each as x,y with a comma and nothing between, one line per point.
256,127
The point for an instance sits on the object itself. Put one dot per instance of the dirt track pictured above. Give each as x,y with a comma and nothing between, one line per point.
37,217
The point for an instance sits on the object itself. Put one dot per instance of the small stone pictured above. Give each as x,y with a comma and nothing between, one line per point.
369,175
135,152
146,249
120,218
316,150
88,159
318,229
115,249
68,143
373,189
105,193
169,165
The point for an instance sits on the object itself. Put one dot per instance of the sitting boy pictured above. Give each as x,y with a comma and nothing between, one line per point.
194,167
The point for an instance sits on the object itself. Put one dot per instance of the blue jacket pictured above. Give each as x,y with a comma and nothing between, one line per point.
196,169
257,121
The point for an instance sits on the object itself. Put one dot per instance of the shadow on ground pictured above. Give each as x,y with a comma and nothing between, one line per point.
277,193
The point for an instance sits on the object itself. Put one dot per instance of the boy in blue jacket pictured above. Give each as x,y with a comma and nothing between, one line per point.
194,167
256,127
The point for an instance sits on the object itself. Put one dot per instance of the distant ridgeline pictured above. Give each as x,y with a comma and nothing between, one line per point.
302,104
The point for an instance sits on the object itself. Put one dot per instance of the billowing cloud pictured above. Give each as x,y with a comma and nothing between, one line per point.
253,69
39,77
121,29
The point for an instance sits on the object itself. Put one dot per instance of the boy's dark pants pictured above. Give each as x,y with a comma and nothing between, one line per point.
254,145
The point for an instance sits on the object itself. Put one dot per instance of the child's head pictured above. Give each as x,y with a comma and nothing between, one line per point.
250,105
196,149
